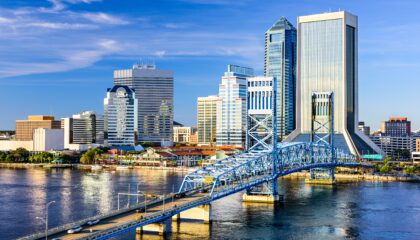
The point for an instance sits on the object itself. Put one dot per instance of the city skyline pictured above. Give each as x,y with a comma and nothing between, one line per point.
197,68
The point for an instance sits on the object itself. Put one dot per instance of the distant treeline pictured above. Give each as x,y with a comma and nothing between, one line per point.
8,132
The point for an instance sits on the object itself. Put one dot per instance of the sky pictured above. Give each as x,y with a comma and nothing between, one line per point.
57,56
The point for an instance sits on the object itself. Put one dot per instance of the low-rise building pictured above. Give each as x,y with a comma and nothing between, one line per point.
399,148
183,156
25,128
182,134
11,145
44,139
48,139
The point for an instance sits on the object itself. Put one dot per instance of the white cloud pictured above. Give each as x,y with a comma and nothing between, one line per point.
57,6
4,20
104,18
67,60
58,25
82,1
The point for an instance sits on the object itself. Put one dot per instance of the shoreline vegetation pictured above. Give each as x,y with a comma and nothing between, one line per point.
340,177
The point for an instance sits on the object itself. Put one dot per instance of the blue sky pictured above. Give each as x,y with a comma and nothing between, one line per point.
57,56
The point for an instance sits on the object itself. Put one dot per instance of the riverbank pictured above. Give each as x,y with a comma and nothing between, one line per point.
88,167
349,178
340,177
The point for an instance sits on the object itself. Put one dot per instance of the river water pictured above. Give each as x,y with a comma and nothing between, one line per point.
352,211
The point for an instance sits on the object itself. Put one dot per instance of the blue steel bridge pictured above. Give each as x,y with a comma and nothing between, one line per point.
255,171
219,179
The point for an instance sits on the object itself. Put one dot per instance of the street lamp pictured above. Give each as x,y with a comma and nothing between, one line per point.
46,218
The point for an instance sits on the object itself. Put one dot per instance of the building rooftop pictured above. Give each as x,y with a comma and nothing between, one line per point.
40,118
282,24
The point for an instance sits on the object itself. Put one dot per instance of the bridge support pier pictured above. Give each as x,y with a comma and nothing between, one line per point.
265,193
260,198
201,213
322,176
160,228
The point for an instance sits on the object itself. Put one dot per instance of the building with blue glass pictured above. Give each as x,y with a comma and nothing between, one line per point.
280,62
231,107
120,116
155,94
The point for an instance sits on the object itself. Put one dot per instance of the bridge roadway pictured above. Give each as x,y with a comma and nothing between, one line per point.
130,216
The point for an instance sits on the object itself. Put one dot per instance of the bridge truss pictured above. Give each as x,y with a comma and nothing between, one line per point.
250,169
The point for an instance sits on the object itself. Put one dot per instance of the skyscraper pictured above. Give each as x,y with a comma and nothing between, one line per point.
120,108
327,63
154,90
206,120
231,107
280,62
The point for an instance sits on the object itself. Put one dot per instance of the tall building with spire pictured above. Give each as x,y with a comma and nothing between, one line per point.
280,62
327,65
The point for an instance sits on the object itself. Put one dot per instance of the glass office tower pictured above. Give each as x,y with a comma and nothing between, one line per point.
231,107
280,62
155,93
120,110
327,62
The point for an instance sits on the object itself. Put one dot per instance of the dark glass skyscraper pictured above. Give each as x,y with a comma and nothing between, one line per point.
154,90
280,62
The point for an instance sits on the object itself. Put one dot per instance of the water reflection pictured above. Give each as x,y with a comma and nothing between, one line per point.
363,210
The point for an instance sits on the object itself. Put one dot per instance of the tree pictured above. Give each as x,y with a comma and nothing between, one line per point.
64,157
89,156
3,156
21,154
386,168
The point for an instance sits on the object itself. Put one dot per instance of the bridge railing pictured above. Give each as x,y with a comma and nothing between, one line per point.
148,219
65,227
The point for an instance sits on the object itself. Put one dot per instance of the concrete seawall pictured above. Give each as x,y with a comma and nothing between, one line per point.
343,178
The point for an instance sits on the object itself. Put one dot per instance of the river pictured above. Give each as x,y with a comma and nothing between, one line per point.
364,210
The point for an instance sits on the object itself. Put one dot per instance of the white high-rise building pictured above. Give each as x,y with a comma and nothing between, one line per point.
327,62
154,91
120,108
231,107
80,131
206,120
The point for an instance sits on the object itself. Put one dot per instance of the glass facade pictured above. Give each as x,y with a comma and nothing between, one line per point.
321,67
120,108
231,108
327,47
154,90
280,62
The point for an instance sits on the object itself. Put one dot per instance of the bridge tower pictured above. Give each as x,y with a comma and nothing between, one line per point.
322,132
262,131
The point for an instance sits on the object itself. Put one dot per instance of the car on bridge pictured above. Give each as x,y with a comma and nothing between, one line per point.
75,229
92,222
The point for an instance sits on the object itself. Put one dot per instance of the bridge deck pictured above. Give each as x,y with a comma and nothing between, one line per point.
127,217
